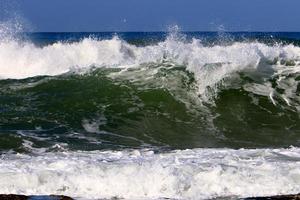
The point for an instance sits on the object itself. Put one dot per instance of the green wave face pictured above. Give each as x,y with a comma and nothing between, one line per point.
150,91
156,105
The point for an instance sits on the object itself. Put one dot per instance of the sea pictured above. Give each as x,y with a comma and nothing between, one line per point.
150,115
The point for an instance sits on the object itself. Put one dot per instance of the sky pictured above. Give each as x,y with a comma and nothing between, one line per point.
153,15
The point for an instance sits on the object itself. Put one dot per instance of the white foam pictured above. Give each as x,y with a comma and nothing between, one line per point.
182,174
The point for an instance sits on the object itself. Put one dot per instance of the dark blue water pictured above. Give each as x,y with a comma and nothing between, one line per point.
152,37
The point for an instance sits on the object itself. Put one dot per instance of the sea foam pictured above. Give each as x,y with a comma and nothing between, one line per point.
143,174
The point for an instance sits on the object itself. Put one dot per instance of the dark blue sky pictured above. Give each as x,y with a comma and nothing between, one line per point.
155,15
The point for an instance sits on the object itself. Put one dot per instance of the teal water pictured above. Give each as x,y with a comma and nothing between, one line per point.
91,111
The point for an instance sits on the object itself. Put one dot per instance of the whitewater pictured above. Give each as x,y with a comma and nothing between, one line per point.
143,174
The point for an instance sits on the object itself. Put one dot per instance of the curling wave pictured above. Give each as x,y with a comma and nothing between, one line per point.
209,64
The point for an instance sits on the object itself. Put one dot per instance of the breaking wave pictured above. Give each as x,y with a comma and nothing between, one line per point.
210,64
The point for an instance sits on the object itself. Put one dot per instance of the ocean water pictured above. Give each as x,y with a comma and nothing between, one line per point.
196,115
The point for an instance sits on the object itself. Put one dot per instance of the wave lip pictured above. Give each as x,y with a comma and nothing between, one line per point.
136,174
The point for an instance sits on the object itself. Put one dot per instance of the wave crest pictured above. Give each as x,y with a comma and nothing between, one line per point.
210,64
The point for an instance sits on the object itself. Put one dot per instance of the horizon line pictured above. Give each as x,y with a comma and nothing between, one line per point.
258,31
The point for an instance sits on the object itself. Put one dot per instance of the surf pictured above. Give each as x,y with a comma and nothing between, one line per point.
143,174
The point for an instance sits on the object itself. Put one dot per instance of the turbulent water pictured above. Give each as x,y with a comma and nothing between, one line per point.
150,115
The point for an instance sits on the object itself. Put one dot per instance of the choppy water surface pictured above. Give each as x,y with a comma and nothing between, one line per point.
102,115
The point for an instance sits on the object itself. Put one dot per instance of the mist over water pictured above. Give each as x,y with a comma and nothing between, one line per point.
127,105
